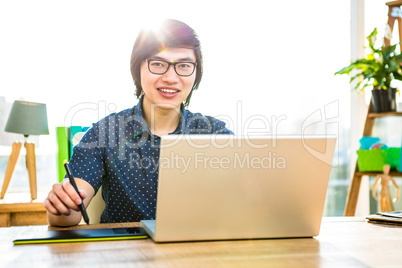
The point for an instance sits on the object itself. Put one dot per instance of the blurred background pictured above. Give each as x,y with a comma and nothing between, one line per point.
268,66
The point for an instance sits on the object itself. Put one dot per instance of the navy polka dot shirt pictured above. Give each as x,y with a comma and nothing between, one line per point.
120,153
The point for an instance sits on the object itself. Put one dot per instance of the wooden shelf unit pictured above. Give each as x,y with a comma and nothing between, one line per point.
17,209
354,189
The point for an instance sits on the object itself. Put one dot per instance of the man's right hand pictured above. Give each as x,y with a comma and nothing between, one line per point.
62,202
62,198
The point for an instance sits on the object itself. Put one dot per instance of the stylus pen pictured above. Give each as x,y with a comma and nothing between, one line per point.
72,181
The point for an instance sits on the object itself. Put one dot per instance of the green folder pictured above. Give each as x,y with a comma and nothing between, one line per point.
63,150
73,130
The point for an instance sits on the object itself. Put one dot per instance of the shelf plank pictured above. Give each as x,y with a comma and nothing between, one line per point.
376,115
17,209
374,173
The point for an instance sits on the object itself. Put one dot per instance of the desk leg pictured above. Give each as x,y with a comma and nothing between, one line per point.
31,166
353,195
12,161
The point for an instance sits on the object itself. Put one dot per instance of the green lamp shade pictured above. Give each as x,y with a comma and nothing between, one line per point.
28,118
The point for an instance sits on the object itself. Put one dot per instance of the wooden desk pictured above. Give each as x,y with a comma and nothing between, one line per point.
343,242
17,209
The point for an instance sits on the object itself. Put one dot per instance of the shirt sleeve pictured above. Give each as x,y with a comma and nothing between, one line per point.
218,126
88,157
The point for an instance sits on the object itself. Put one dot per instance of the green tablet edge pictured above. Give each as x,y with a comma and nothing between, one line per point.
44,241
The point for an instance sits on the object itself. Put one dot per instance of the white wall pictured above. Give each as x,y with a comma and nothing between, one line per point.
263,59
276,59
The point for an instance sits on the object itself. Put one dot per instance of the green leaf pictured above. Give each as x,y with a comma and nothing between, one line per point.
372,38
377,69
398,58
397,76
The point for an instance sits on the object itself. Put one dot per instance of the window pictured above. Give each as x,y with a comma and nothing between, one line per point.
281,59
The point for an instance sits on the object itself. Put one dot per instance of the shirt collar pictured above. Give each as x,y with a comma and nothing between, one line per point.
183,121
141,126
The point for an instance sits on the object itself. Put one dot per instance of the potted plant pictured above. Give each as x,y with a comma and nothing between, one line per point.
377,70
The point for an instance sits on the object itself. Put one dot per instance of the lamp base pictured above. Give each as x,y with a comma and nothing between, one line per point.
31,167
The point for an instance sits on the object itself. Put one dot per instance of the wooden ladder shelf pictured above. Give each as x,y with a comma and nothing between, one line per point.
354,189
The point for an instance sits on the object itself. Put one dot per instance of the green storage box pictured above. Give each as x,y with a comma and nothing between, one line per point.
393,157
374,160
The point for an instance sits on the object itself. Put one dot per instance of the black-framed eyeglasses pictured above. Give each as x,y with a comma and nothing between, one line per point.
161,67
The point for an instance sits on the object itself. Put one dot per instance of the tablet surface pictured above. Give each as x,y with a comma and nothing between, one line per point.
83,235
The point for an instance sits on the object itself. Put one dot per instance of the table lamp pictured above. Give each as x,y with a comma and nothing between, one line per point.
27,118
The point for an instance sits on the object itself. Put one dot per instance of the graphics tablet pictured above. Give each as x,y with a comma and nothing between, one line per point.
62,236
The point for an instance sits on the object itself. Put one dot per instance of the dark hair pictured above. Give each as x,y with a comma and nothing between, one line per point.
172,33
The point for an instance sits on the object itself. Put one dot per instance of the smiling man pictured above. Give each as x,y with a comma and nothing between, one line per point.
166,65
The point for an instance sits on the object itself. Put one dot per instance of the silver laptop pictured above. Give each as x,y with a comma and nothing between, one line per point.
220,187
